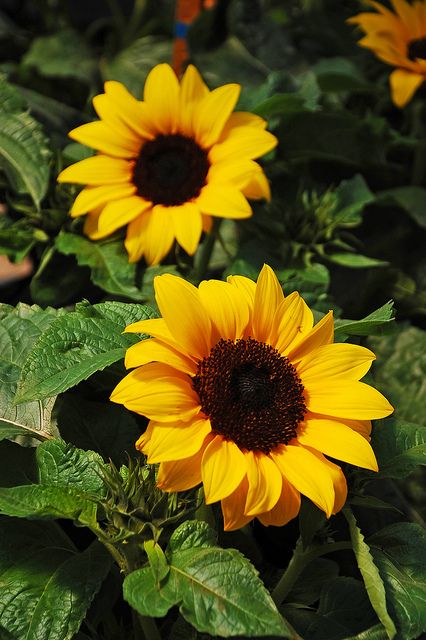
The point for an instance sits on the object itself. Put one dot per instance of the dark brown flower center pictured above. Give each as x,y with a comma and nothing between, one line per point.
170,170
252,395
417,49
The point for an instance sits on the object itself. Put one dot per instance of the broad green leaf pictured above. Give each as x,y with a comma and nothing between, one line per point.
11,100
280,105
108,262
338,74
107,428
20,327
373,633
374,323
38,501
157,561
76,345
399,446
10,429
399,371
16,239
399,552
308,586
24,155
412,199
62,55
344,610
47,586
355,260
218,591
371,576
60,464
352,196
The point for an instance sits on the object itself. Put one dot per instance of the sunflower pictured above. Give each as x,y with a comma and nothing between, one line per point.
247,396
167,164
399,39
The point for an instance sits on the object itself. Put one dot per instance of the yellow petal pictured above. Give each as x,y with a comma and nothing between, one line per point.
133,112
207,223
159,392
98,170
265,483
181,475
338,478
349,361
161,94
243,119
258,187
346,399
188,225
338,441
142,444
151,235
233,508
91,224
322,333
243,142
118,213
154,351
155,327
212,112
180,305
307,474
178,440
246,286
192,91
362,427
223,467
224,201
287,507
288,322
403,86
268,297
101,137
238,173
90,198
226,307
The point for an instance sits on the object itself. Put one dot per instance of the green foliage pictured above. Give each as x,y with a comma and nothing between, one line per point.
24,154
399,446
379,321
47,586
76,345
217,590
108,262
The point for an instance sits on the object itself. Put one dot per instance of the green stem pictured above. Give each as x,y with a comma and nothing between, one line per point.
206,250
297,564
149,628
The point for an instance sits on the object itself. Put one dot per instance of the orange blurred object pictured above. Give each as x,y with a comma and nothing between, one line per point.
186,12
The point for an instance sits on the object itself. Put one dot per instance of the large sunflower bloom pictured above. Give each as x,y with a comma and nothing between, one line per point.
166,164
247,396
399,39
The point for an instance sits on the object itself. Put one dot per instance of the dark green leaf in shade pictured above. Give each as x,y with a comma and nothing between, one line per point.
371,575
17,464
399,552
338,74
16,239
20,327
307,588
218,591
343,611
377,322
352,196
355,260
399,447
65,54
411,199
46,586
108,262
77,345
311,519
400,371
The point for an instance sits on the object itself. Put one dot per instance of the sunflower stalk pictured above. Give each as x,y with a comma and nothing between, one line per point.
206,251
299,561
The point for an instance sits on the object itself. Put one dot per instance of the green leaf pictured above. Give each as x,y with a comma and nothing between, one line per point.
399,552
157,561
311,519
410,199
60,464
344,609
16,239
307,588
338,74
41,501
109,429
218,591
370,573
399,371
355,260
108,262
62,55
46,586
374,323
20,327
280,104
76,345
11,100
352,196
373,633
399,446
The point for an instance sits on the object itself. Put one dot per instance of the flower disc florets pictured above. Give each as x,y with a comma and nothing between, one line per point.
251,394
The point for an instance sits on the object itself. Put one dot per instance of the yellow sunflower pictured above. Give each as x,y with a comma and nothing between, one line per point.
247,396
167,164
399,39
